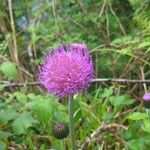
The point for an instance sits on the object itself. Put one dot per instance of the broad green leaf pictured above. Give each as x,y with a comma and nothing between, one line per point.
121,100
137,116
146,125
107,92
43,108
135,145
4,134
7,115
22,123
21,97
44,111
9,69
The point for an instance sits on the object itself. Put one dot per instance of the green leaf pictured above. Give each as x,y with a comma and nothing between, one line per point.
137,116
107,93
2,87
61,116
146,125
135,144
31,96
7,115
43,107
2,145
21,97
144,44
121,100
62,107
44,111
108,116
4,134
22,123
9,69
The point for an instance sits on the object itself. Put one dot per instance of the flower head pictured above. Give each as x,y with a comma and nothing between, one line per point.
146,100
66,70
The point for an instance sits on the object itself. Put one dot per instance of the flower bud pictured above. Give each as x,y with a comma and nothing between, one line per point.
146,100
60,130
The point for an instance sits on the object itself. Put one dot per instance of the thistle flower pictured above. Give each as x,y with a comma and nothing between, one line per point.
66,70
146,100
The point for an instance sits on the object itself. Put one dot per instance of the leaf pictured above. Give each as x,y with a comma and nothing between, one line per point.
135,144
2,87
4,134
2,145
31,96
9,69
121,100
22,123
137,116
144,44
43,108
107,93
146,125
61,116
108,116
44,112
7,115
21,97
62,107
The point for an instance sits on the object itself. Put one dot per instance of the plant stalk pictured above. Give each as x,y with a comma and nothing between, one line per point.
71,123
63,144
148,113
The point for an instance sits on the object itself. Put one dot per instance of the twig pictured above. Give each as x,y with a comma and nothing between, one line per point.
143,77
98,132
102,10
120,25
107,26
121,80
54,14
14,53
14,32
8,84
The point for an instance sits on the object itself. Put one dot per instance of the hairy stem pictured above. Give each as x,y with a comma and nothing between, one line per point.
70,112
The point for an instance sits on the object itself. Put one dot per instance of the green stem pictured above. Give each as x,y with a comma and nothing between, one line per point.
148,113
63,144
70,112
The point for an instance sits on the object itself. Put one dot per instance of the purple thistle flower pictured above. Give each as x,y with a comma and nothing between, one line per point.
146,100
66,70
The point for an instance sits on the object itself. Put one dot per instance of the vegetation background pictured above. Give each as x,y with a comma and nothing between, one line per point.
117,33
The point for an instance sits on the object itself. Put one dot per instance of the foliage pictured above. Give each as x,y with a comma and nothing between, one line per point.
118,36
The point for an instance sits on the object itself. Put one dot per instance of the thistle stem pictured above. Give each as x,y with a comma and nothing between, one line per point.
71,123
63,144
148,113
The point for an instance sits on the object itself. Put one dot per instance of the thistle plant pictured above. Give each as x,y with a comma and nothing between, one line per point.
64,71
